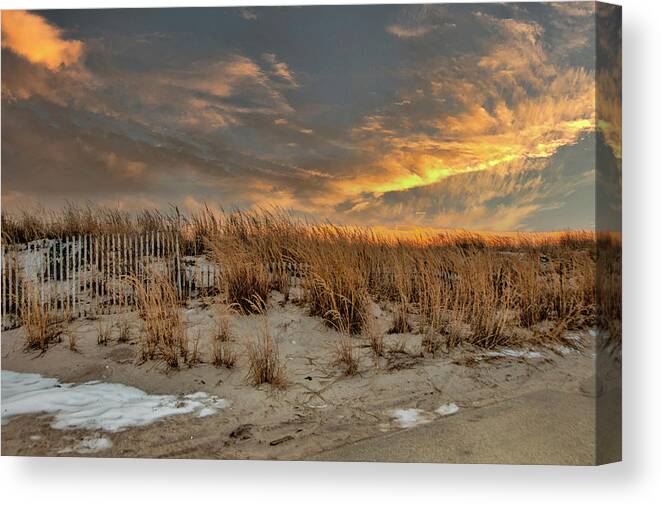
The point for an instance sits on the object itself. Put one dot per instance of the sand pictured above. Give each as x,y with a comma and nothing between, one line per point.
320,410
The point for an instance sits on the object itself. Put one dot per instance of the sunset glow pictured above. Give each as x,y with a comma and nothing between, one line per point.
402,125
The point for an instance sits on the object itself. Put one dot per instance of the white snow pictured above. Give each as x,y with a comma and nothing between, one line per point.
206,411
573,337
96,405
89,445
515,353
447,409
407,418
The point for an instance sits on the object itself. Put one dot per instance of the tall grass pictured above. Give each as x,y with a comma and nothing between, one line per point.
222,351
40,326
264,364
454,287
609,287
345,355
485,283
163,336
243,275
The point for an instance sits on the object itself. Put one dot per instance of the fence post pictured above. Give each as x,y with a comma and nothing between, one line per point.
124,270
136,271
70,275
158,245
75,274
139,256
97,276
104,272
107,275
86,263
72,272
179,287
50,274
148,246
15,265
5,282
112,269
65,274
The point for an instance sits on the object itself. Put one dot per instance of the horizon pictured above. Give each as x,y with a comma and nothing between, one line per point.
477,117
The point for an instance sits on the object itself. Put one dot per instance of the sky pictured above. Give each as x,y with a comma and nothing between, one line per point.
401,117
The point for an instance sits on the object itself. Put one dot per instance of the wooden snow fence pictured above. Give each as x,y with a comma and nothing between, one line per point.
87,275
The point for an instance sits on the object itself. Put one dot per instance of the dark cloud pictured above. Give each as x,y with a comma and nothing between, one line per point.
473,116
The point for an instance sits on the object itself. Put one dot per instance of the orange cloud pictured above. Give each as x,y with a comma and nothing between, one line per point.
479,140
548,107
280,69
32,37
406,32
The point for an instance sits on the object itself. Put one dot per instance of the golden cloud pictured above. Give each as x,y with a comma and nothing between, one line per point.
280,69
407,32
33,38
515,102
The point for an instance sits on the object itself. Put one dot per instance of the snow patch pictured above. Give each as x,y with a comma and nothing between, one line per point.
515,353
89,445
573,337
96,405
407,418
447,409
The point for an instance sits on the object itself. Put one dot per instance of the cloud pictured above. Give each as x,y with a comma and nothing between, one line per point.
407,32
22,80
201,96
280,69
221,78
446,130
508,197
209,95
33,38
513,101
248,14
416,21
577,9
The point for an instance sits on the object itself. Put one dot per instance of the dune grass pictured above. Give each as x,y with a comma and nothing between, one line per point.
163,334
41,327
454,287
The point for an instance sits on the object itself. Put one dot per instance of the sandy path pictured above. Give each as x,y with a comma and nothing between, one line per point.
545,427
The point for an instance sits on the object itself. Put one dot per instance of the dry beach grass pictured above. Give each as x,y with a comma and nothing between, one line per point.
455,288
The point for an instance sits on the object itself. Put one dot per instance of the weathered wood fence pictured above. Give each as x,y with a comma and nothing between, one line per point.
87,275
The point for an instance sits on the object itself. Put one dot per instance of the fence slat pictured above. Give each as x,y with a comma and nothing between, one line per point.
72,275
151,247
108,284
135,265
49,274
177,257
86,282
104,270
97,280
70,267
6,286
5,283
76,273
